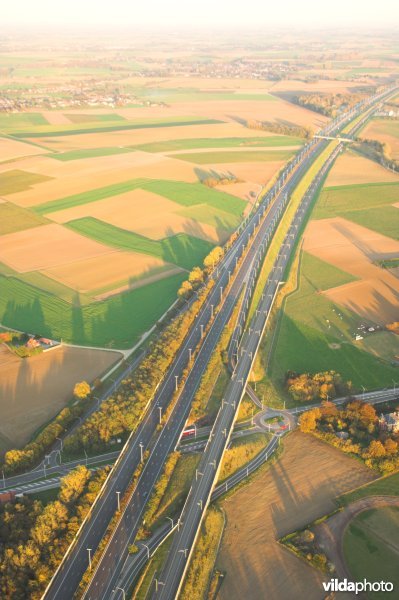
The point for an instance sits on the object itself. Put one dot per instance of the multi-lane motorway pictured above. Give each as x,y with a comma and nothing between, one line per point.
168,586
255,232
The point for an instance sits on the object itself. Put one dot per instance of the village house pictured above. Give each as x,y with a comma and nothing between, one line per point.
390,422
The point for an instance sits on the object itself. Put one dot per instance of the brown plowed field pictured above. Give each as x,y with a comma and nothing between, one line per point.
33,390
140,211
45,247
350,169
353,248
287,496
102,271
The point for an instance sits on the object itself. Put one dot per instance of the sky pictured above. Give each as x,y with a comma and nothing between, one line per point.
36,14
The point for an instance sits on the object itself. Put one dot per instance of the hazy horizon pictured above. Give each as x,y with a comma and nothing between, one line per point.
157,14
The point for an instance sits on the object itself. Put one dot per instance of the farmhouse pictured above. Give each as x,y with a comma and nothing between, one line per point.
390,422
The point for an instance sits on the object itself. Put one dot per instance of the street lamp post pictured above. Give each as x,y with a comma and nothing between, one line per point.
123,592
118,496
89,553
60,440
148,550
176,384
160,414
141,451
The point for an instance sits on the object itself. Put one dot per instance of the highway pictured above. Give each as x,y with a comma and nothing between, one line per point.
108,569
169,584
136,562
67,577
71,570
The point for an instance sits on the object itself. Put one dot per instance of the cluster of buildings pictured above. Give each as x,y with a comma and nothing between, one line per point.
61,97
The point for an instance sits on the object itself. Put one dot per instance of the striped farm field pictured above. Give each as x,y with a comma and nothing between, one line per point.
115,323
208,158
232,142
88,153
186,194
77,129
182,250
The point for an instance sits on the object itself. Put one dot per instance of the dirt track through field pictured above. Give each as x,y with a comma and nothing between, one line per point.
330,534
293,492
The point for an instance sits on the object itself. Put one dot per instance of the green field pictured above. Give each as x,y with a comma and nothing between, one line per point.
13,121
186,194
220,219
311,323
57,130
17,180
15,218
116,322
371,547
338,200
93,118
384,486
190,194
187,144
384,219
89,153
206,158
181,249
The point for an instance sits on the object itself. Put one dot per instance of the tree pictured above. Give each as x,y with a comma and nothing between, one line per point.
185,290
391,447
213,257
196,276
73,484
81,390
376,449
308,420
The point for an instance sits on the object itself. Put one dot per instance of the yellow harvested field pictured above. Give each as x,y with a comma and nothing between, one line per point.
45,247
102,271
55,117
10,149
235,149
33,390
250,110
74,177
378,130
133,137
353,249
323,85
350,169
142,212
297,489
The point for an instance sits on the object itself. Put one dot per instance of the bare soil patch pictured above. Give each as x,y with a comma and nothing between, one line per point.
379,130
33,390
133,137
45,247
300,487
353,249
140,211
10,149
350,169
74,177
102,271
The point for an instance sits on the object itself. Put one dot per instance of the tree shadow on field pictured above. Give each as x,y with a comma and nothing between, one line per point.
78,325
28,317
